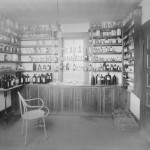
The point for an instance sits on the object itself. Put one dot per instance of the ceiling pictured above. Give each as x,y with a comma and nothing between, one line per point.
70,11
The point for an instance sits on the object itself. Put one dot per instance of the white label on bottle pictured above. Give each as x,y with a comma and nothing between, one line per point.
33,79
38,80
21,80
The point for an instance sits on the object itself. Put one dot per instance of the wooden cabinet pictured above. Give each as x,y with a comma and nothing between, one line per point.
80,100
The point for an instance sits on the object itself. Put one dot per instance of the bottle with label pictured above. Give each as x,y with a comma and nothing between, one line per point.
51,77
12,81
43,79
102,79
38,79
104,66
28,79
34,79
44,67
47,78
74,67
108,79
98,80
5,82
39,67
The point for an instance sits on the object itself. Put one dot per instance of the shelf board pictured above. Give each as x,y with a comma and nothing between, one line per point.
107,37
23,54
10,71
37,39
37,46
39,32
104,29
106,62
10,43
40,70
74,60
105,71
9,62
129,58
128,72
112,44
38,62
8,52
108,53
9,34
130,51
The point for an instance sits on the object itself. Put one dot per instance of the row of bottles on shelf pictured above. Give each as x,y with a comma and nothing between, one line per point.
105,49
105,25
44,67
9,48
104,67
103,80
41,42
128,34
129,41
106,41
11,39
74,57
8,57
40,58
74,67
129,62
99,33
8,81
42,27
128,68
38,35
98,58
75,49
128,76
40,50
128,55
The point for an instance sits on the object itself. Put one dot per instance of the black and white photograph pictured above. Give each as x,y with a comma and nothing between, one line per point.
74,74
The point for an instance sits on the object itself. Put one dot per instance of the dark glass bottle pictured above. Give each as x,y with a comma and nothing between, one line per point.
108,79
96,82
34,66
114,80
28,79
39,79
102,79
5,82
34,79
47,78
0,83
92,80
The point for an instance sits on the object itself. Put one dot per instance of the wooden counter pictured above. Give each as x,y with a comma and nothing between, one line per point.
79,99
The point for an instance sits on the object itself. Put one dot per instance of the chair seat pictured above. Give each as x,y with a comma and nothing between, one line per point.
33,114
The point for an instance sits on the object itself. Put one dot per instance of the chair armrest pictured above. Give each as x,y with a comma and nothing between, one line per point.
40,107
47,111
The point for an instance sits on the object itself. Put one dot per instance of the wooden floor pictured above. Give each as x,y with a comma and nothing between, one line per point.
67,132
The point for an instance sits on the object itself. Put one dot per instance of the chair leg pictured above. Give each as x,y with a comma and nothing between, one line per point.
22,127
26,133
44,127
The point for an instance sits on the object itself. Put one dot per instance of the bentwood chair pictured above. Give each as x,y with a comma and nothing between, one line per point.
32,113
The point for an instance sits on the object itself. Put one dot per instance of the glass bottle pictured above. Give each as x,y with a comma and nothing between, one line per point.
92,80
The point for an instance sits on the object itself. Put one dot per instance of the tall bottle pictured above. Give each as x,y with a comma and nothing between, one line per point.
38,79
34,66
98,80
102,79
104,66
92,80
34,79
114,80
39,67
108,79
51,77
28,79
